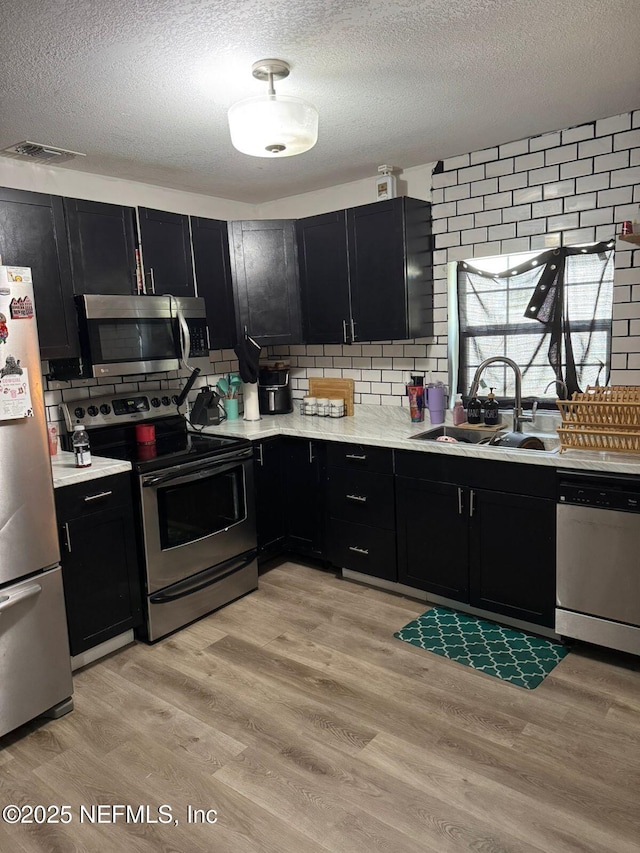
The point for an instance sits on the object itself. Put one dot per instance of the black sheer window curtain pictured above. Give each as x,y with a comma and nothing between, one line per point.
551,314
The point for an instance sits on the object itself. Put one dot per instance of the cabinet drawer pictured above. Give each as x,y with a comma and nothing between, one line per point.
360,457
102,493
363,497
363,549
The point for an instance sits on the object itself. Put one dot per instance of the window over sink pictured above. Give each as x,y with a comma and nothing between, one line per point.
550,312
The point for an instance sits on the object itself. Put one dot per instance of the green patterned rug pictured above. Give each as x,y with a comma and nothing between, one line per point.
522,659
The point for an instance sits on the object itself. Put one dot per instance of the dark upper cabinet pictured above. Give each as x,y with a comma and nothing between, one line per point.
166,252
210,239
366,273
324,278
32,234
265,276
102,245
390,269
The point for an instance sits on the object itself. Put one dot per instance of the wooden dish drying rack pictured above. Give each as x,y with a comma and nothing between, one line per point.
601,418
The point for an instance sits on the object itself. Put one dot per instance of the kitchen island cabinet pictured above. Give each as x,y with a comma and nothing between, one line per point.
491,548
100,568
102,245
366,272
33,234
265,280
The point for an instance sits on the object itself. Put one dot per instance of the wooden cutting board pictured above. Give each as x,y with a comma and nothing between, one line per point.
333,389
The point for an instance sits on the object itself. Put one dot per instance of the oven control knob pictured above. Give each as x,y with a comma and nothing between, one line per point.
105,408
79,412
166,401
93,411
155,402
174,399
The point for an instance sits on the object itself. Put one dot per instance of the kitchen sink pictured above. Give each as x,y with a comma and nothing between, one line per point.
482,437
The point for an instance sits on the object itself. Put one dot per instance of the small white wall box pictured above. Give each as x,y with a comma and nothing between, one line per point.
385,184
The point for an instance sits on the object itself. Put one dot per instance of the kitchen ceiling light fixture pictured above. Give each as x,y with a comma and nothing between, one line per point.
273,125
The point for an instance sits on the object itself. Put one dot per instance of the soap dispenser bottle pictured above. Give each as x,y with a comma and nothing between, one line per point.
491,410
458,415
474,410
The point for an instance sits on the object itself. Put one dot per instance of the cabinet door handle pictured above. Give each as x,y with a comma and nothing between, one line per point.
355,456
459,501
344,331
88,498
260,459
471,500
152,280
311,456
353,330
359,498
356,550
67,537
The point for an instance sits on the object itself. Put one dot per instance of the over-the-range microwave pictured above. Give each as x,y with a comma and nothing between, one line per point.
123,335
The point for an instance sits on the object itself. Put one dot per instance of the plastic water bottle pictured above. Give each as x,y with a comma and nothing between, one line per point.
81,448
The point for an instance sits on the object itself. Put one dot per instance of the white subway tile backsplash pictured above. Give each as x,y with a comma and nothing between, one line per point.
576,134
544,176
628,276
567,220
529,161
545,241
499,167
608,162
502,232
577,236
517,213
458,223
586,201
483,156
520,244
558,188
371,375
459,253
513,182
490,185
443,241
489,217
529,227
473,173
437,196
444,179
491,202
630,139
614,124
474,235
547,208
441,211
576,169
456,192
625,177
527,195
620,195
591,183
469,205
564,154
513,149
600,216
595,147
548,140
458,162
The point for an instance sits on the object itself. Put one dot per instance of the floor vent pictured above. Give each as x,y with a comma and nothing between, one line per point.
37,153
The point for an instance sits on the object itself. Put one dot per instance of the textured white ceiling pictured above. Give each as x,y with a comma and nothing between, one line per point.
143,86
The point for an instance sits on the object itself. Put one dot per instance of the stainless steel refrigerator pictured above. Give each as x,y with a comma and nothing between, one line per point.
35,667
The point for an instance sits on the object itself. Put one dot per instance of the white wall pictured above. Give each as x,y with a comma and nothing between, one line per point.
414,182
73,184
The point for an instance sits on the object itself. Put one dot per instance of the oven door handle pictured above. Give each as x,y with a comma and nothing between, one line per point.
203,579
191,473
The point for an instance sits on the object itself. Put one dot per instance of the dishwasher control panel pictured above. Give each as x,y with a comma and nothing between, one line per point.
621,493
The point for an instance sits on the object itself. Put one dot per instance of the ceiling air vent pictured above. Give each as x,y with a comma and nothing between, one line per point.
37,153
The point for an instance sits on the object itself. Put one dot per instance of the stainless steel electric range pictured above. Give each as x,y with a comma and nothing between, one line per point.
197,528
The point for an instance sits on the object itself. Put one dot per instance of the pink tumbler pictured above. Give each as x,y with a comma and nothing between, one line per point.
435,402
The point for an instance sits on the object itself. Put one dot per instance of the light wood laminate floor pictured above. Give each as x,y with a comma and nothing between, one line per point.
297,716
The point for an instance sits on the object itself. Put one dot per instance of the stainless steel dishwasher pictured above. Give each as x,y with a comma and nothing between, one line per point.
598,560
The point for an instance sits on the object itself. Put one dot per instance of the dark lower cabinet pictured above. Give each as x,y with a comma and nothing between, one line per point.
433,538
33,234
304,464
102,244
100,566
492,550
361,510
270,495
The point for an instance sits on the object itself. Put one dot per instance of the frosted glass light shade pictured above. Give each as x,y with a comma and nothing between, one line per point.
273,126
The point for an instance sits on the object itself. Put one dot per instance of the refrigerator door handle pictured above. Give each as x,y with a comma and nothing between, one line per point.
7,601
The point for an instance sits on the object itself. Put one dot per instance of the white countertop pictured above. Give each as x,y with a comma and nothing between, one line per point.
389,426
63,467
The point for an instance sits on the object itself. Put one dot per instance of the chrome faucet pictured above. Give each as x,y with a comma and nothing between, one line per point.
558,383
518,417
